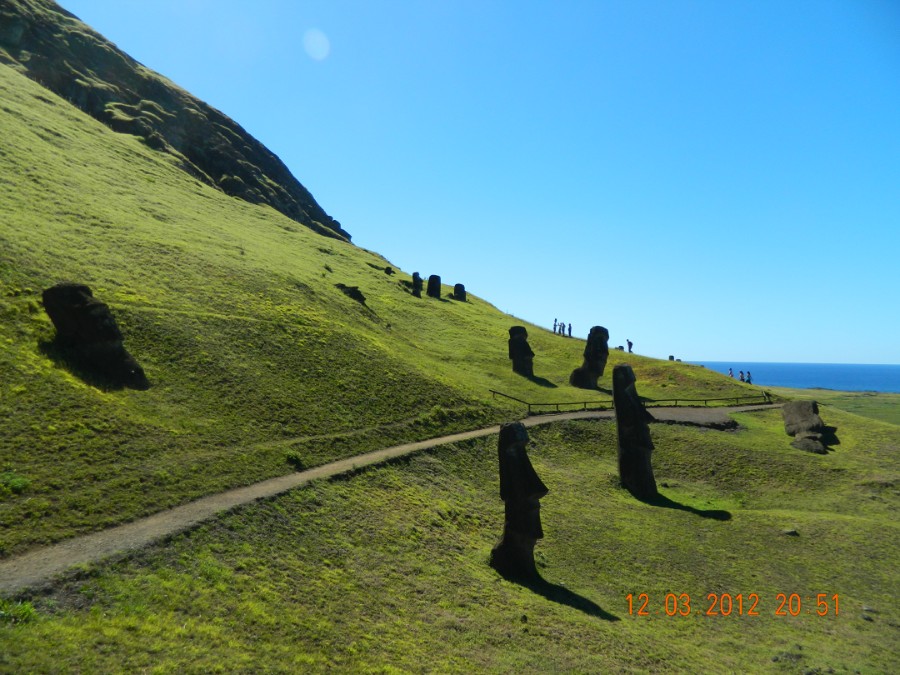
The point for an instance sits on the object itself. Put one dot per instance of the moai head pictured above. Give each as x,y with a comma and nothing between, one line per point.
417,285
459,292
596,351
520,351
79,318
635,444
521,490
88,334
434,286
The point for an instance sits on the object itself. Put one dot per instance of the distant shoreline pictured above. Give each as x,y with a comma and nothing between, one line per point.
850,377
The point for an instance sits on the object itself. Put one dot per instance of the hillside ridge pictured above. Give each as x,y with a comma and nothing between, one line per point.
54,48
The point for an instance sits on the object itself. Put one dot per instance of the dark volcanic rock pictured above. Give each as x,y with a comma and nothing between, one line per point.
88,336
521,490
596,353
520,351
635,444
54,48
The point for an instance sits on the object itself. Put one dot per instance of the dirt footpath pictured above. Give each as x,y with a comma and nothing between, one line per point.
39,567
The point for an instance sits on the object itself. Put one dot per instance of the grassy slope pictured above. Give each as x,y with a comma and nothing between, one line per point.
233,312
386,571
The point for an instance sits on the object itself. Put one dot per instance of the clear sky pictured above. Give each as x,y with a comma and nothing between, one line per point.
713,179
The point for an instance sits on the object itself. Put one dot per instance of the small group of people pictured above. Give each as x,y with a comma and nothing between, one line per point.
748,378
559,327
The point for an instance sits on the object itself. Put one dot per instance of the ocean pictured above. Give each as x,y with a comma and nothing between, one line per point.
838,376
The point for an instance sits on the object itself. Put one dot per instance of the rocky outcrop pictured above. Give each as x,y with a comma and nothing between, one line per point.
521,490
635,444
88,336
54,48
520,351
596,354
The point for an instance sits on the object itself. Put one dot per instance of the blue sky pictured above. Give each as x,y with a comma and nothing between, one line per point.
714,180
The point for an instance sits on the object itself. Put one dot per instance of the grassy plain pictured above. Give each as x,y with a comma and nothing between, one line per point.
259,364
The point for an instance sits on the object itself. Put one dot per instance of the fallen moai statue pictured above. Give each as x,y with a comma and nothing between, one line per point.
521,490
802,421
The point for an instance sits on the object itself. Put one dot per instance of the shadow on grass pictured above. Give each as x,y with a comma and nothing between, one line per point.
666,503
563,596
107,371
540,381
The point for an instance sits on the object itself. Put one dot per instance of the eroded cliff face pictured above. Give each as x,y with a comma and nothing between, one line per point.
54,48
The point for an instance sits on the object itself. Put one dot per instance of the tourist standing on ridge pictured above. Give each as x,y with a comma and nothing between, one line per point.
730,373
741,375
748,378
630,343
554,325
570,330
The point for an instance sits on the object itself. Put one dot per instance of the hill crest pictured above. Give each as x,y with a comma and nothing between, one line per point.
54,48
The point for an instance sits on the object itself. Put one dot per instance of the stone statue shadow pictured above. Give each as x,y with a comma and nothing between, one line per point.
664,502
97,370
541,381
561,595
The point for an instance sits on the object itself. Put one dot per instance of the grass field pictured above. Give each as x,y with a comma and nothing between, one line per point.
386,571
260,365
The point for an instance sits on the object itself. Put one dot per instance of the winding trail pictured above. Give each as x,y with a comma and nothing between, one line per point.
39,567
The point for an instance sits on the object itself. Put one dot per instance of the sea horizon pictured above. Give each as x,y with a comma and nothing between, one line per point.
876,377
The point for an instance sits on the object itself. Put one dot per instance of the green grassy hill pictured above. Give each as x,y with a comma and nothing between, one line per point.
260,364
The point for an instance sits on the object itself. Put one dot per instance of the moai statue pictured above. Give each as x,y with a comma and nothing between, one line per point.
672,357
596,353
86,329
802,421
434,286
459,292
519,351
417,285
521,490
635,445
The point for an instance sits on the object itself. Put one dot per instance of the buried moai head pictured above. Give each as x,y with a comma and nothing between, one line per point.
87,335
596,354
520,352
802,421
434,286
416,285
635,444
521,490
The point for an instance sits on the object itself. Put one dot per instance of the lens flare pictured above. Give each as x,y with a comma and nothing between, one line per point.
316,44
